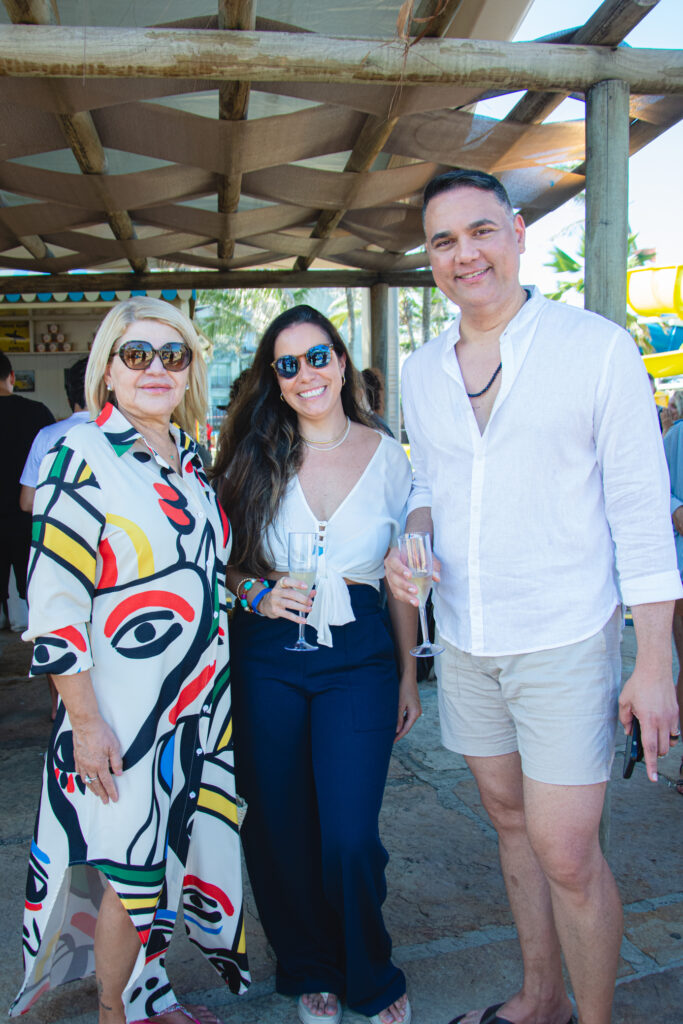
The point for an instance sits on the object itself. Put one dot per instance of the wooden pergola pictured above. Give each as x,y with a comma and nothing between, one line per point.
129,155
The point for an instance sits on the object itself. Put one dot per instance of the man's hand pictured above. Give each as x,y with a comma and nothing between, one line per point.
399,576
649,694
677,519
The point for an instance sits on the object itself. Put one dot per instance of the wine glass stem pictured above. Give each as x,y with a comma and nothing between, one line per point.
302,625
423,623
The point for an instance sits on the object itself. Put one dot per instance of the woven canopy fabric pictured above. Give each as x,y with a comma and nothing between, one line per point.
105,174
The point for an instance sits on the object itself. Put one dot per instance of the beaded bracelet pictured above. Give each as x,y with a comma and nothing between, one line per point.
245,586
259,597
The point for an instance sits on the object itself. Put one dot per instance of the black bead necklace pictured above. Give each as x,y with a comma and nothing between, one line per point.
478,394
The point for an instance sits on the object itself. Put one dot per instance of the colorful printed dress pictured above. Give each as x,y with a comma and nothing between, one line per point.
127,579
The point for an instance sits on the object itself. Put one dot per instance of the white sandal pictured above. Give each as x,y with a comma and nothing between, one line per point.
408,1016
307,1016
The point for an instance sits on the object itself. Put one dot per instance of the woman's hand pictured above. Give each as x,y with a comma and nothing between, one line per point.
409,707
96,751
288,599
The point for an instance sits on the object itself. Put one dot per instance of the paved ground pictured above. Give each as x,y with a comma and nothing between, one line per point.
446,908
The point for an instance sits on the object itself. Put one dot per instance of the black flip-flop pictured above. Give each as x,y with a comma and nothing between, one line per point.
490,1016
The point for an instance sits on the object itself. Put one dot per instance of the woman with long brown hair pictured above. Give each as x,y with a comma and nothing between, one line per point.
314,729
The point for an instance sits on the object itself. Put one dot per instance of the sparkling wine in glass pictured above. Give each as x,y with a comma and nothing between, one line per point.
415,551
303,562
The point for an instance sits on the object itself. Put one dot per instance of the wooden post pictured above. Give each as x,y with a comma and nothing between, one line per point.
607,149
379,326
391,380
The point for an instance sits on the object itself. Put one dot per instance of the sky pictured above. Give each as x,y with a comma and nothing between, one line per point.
656,172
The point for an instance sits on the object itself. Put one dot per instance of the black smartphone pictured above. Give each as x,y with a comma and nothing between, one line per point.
633,751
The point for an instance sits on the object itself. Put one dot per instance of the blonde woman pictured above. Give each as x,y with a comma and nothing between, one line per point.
126,583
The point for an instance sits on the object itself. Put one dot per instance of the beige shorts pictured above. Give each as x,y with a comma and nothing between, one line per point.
557,707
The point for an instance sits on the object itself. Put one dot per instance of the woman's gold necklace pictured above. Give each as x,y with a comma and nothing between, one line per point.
334,442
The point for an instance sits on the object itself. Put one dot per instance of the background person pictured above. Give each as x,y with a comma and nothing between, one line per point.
545,518
373,384
20,420
316,728
137,812
673,449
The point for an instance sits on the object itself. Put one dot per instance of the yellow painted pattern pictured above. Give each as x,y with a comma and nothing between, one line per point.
225,738
143,548
70,550
242,945
85,474
44,960
140,903
220,805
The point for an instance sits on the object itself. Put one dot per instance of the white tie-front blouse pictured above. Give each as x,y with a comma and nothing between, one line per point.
353,541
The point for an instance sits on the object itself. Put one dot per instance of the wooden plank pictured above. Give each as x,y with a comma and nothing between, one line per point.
431,19
79,131
607,26
607,143
30,284
29,50
233,103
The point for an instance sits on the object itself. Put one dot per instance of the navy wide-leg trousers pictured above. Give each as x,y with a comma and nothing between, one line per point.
313,737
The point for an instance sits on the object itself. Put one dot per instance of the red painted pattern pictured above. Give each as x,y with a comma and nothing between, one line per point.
85,923
73,636
70,783
110,571
189,692
33,906
104,415
193,882
150,599
175,514
226,525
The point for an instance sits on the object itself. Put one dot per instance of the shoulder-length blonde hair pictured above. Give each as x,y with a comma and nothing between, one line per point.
192,408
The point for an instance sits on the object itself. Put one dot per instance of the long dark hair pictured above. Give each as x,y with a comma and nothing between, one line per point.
259,444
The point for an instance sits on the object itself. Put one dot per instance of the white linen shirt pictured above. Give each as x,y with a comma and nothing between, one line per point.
560,509
353,541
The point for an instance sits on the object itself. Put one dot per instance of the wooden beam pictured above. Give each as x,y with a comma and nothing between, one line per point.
56,52
607,199
608,26
33,284
79,131
431,20
233,102
641,133
32,243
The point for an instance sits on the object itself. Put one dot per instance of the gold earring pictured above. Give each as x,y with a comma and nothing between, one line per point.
282,397
343,379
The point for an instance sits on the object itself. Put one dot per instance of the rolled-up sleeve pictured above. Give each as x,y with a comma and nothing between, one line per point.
67,526
635,478
420,492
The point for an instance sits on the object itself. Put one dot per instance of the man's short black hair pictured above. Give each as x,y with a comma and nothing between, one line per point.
5,366
463,178
74,383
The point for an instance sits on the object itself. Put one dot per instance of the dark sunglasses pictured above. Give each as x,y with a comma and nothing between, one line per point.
139,355
317,357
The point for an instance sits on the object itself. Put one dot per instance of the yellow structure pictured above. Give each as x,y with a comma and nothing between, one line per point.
655,291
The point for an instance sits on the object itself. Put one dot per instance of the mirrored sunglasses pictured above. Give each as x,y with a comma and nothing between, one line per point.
139,355
288,366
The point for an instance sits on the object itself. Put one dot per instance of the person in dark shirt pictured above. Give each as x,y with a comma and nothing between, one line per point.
20,421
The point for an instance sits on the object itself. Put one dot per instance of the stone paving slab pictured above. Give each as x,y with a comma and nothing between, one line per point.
446,908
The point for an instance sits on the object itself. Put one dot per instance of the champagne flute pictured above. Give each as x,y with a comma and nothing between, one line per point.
415,551
303,562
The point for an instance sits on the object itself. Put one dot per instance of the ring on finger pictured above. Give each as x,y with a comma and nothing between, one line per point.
89,779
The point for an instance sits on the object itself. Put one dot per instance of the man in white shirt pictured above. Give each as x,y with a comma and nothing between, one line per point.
546,515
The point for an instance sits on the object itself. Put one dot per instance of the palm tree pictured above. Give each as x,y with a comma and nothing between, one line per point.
571,277
236,316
